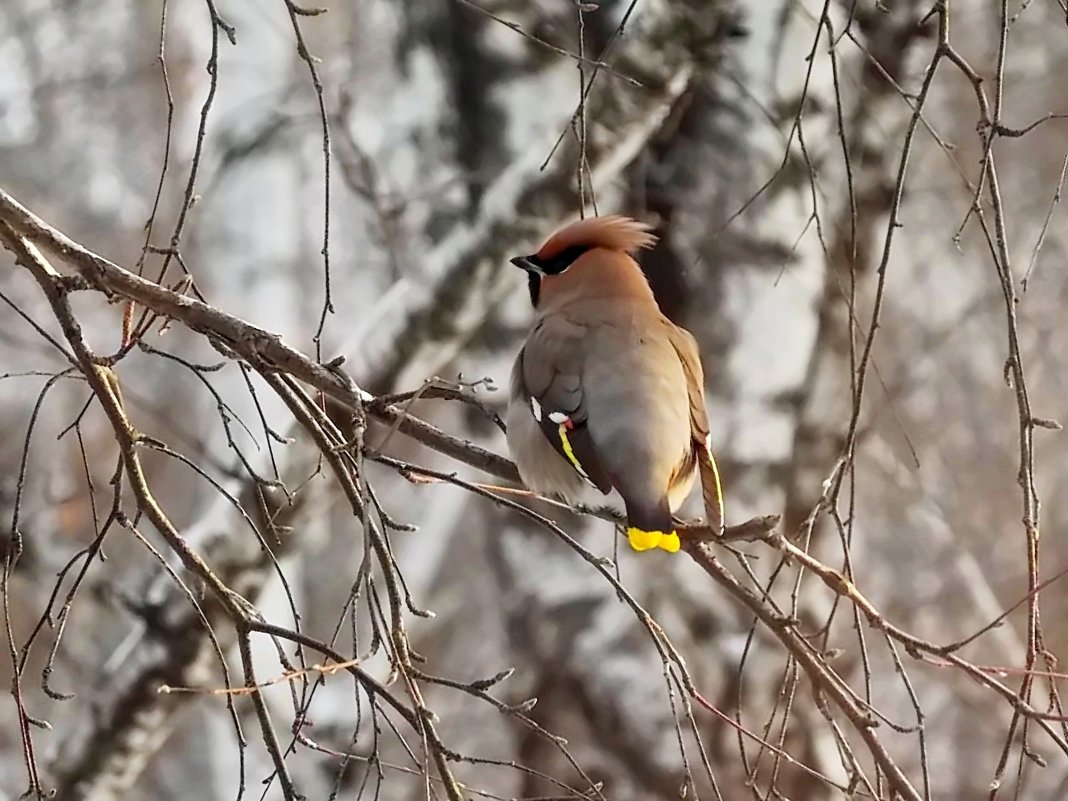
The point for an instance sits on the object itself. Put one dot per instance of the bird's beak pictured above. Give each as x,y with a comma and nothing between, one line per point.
524,263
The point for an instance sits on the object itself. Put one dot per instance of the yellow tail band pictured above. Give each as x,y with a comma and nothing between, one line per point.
646,540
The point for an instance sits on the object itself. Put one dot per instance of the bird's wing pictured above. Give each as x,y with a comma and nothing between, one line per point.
551,372
711,487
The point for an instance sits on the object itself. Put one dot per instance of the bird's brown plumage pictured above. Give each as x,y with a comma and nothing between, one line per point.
612,232
606,390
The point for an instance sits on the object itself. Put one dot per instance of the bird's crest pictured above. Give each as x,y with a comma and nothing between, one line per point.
614,232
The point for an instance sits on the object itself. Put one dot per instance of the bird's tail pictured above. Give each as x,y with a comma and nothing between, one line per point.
649,526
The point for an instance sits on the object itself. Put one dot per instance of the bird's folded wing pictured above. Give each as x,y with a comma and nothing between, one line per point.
551,377
711,486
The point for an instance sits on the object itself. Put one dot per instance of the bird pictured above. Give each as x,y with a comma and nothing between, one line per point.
606,390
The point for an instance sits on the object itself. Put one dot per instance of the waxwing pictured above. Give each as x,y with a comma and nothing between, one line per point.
606,390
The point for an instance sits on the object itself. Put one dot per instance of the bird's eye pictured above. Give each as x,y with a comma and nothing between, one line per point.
563,260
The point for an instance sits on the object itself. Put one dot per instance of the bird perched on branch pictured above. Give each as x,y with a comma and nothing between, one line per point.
606,390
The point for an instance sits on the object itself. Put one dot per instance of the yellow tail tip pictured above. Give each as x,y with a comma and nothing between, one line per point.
646,540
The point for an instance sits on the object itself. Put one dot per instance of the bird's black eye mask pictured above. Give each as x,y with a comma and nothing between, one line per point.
536,267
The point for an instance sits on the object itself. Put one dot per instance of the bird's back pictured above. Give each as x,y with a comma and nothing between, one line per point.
634,379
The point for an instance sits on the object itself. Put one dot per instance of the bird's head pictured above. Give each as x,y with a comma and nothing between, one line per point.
564,250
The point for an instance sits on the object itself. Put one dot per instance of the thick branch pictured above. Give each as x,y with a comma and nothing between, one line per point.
823,679
257,346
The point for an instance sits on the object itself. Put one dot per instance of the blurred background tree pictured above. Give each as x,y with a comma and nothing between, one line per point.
857,205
